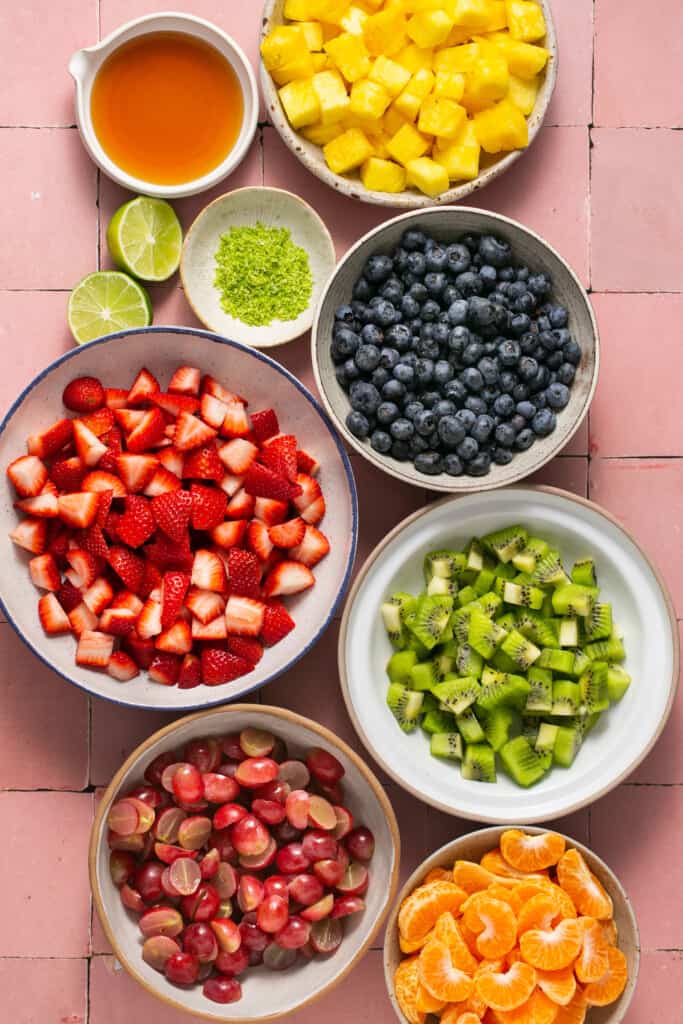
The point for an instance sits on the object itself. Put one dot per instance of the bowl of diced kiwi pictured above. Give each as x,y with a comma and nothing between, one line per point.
407,104
509,655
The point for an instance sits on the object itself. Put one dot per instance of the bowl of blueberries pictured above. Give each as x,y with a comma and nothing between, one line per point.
455,349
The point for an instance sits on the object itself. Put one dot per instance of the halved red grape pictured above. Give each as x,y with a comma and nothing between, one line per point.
132,844
291,859
145,813
123,818
297,806
232,749
148,881
227,934
295,774
210,863
250,893
276,790
152,796
256,742
194,832
285,833
204,754
225,881
346,905
330,872
355,880
131,898
305,889
198,938
202,905
161,921
250,837
227,768
275,958
187,784
256,771
269,811
222,989
169,853
344,822
233,963
167,824
324,766
227,815
185,876
167,885
253,938
319,845
155,768
157,949
167,775
360,843
321,813
272,914
334,793
121,867
294,935
223,843
317,911
260,861
219,789
277,885
326,935
182,969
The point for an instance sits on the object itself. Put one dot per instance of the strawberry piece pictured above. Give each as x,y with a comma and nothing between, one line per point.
67,474
228,534
172,512
69,597
210,386
84,394
310,490
164,669
314,512
205,605
50,441
93,540
264,424
122,667
151,581
173,592
128,567
207,571
94,649
307,463
100,422
262,482
82,618
231,485
53,618
175,404
44,572
117,621
238,455
176,640
236,422
149,619
148,433
209,506
28,474
49,488
277,623
44,506
137,524
110,527
129,419
115,398
99,480
131,602
172,460
279,454
30,534
241,505
244,616
271,512
186,380
86,566
190,674
258,540
244,573
59,539
88,445
214,630
212,411
203,464
136,471
144,387
289,534
288,578
219,666
99,595
114,442
312,548
141,651
162,482
245,647
171,554
78,509
191,432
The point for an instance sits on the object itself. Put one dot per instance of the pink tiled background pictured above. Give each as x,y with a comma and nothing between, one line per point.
603,184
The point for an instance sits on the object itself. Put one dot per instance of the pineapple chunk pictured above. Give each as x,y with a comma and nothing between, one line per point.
353,20
347,151
501,128
350,55
331,92
429,28
380,143
393,120
523,59
523,92
498,19
330,31
313,33
413,58
282,46
391,76
461,156
450,84
457,58
385,32
382,175
321,134
302,68
458,35
440,116
525,20
409,101
427,175
332,11
372,5
407,144
321,62
486,83
472,14
300,102
302,10
412,6
368,99
371,126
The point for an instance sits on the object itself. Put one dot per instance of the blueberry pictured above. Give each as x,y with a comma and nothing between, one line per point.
468,449
489,370
400,450
429,463
476,405
430,398
566,373
557,396
505,435
466,417
351,370
418,291
399,337
558,316
392,291
519,324
528,367
411,409
526,409
430,310
469,284
413,240
504,405
457,312
441,333
436,257
472,379
358,424
435,283
409,358
524,440
554,360
389,358
409,306
495,251
528,343
482,428
458,341
539,284
367,358
402,429
387,412
450,295
520,392
509,352
393,390
378,268
525,304
443,372
418,444
451,431
480,465
517,423
427,348
572,352
473,353
540,381
488,274
543,423
344,314
416,264
371,334
362,290
425,422
455,390
386,314
405,374
507,380
444,407
506,274
452,465
458,258
515,290
480,312
364,397
424,372
381,441
502,456
380,377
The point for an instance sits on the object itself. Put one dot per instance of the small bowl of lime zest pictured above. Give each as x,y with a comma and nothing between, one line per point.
254,265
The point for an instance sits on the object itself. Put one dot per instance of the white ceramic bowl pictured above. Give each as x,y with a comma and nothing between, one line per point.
642,608
275,208
85,64
449,224
266,996
472,847
312,157
116,359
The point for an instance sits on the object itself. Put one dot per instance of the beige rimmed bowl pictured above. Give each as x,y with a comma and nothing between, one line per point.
472,847
312,157
266,996
449,224
275,208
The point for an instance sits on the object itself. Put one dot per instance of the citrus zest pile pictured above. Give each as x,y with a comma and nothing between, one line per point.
526,936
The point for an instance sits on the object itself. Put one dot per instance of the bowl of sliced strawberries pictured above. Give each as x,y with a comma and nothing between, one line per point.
172,502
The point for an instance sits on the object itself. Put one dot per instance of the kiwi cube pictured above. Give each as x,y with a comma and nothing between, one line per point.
466,596
459,624
567,697
468,662
569,632
437,721
483,634
526,559
581,663
572,599
567,745
457,694
618,682
523,594
479,763
523,763
438,585
490,602
531,624
446,744
593,684
605,650
423,675
556,660
475,556
400,666
469,727
598,625
497,726
431,619
405,705
549,571
443,664
483,582
504,571
502,662
530,729
583,573
511,691
540,699
507,542
547,735
521,650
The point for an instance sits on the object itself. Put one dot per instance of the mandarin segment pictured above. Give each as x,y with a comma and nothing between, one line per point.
538,1009
610,931
592,963
531,853
438,875
494,862
494,924
541,911
588,895
447,930
472,877
415,946
406,982
420,911
426,1003
552,949
439,975
560,986
610,987
575,1012
508,989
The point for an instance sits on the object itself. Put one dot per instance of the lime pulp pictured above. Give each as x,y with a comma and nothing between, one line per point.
145,239
104,302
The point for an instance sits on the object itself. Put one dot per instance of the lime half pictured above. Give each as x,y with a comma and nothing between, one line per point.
145,238
107,301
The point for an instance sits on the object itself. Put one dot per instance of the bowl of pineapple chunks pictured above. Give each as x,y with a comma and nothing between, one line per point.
407,103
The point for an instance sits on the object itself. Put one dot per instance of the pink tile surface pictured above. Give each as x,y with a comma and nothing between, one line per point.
613,211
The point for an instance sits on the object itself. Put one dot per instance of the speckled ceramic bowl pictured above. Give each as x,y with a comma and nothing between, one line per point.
472,847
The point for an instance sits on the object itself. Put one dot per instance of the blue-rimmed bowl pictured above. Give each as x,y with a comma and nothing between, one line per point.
116,359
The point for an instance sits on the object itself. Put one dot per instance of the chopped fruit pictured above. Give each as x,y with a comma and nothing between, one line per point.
162,482
98,480
83,394
277,623
172,512
552,949
117,621
244,573
99,422
258,540
68,596
588,894
608,988
174,588
289,534
531,853
205,605
175,404
230,533
175,640
136,471
312,548
238,455
128,567
85,566
185,380
212,411
49,442
78,509
28,474
288,578
192,432
264,483
236,422
94,649
264,424
209,506
279,454
241,505
149,619
44,506
190,674
122,667
137,524
207,571
88,445
144,387
165,669
68,474
148,433
245,647
213,630
82,619
270,511
115,398
203,464
219,666
244,616
53,618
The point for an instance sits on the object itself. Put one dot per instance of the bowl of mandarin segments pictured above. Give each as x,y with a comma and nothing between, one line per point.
234,534
336,931
377,69
544,898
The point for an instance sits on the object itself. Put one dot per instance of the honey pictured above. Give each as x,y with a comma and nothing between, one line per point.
166,107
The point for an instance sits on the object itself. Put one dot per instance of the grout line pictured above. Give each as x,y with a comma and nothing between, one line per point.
87,989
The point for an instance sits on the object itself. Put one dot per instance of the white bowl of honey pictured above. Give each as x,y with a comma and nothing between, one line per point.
167,105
